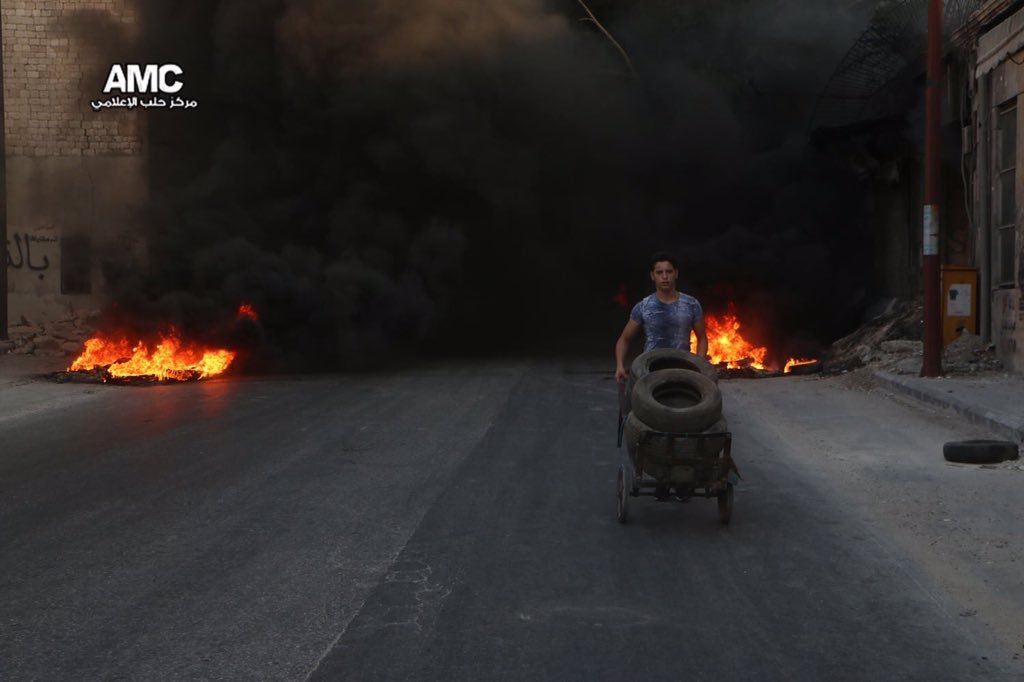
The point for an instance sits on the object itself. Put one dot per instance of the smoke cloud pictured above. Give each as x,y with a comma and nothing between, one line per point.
385,177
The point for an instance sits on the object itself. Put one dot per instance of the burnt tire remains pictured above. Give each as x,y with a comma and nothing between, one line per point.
677,401
980,451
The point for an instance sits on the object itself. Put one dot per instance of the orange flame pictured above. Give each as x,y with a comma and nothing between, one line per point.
169,360
794,362
726,344
246,310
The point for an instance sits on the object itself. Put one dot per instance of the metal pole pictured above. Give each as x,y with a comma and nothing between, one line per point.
932,366
3,192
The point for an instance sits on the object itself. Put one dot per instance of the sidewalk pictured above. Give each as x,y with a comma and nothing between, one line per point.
993,401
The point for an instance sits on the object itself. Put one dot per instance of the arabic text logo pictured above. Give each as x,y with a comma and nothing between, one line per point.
144,79
136,79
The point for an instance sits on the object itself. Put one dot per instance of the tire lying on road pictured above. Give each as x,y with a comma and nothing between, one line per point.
677,401
980,451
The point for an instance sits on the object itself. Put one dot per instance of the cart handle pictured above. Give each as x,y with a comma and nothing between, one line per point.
622,417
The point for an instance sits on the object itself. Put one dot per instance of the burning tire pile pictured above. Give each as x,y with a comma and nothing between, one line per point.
116,360
171,358
734,357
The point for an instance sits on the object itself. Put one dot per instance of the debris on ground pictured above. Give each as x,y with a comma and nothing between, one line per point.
969,354
55,338
893,342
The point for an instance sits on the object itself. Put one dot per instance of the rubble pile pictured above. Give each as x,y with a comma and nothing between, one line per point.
893,342
901,321
968,354
56,338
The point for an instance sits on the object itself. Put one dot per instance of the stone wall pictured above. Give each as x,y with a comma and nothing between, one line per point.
76,178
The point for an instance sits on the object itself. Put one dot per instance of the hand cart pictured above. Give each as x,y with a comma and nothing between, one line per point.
690,464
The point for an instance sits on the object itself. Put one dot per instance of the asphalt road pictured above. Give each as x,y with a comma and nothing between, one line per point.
457,523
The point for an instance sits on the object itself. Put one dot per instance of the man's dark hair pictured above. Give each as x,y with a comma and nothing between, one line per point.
663,256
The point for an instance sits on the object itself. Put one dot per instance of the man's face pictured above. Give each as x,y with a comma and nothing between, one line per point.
664,276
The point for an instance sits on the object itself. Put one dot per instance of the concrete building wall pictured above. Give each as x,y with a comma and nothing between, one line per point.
1000,74
76,178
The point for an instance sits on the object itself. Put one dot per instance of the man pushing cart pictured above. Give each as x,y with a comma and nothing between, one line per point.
670,411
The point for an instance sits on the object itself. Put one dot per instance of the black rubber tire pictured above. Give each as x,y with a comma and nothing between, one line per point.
670,358
725,504
665,358
980,451
677,401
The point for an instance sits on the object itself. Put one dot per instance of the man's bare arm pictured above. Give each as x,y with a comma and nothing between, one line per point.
702,338
621,346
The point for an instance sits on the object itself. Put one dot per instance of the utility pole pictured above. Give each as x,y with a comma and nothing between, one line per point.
3,190
932,366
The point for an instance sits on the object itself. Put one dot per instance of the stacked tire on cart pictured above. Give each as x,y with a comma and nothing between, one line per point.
671,392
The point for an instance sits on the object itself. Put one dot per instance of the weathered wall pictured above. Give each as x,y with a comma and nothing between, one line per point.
1007,311
1000,80
75,177
1006,327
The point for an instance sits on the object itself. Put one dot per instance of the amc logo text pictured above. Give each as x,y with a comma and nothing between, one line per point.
138,79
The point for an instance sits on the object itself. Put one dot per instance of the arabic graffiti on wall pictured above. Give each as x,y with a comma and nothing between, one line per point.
19,252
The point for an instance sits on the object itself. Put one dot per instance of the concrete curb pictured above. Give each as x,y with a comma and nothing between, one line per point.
975,414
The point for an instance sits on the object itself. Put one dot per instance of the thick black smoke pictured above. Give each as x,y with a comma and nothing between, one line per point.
484,175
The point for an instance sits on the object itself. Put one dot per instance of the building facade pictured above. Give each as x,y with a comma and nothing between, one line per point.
76,177
872,112
996,163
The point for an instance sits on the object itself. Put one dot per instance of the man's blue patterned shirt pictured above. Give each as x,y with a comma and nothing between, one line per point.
667,325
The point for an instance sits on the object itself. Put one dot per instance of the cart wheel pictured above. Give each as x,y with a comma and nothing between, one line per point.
725,504
621,495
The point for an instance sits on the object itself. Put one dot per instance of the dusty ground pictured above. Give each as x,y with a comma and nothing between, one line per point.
457,522
881,453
